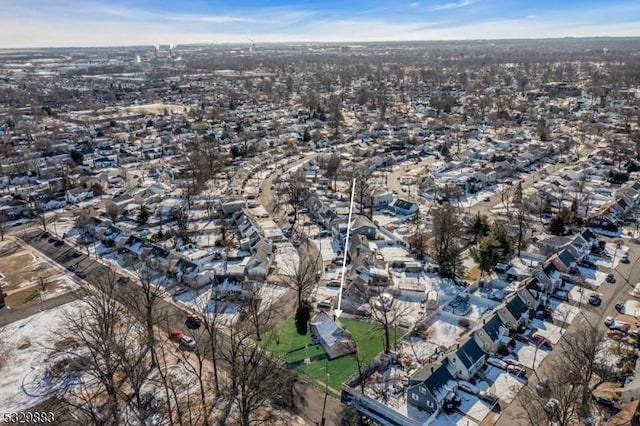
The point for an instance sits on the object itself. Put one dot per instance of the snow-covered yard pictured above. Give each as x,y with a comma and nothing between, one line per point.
473,407
527,354
328,247
632,307
444,331
27,351
504,385
548,330
564,312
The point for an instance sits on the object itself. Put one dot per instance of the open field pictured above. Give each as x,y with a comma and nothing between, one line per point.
28,278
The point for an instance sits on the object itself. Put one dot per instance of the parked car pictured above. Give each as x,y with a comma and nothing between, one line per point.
517,371
513,362
467,387
625,259
176,335
587,264
193,322
187,342
594,300
620,326
541,340
521,338
58,243
619,306
489,397
608,321
497,363
611,278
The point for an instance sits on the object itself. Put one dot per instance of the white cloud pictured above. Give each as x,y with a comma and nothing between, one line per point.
42,29
453,5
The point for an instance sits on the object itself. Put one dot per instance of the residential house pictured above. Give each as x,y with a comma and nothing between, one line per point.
430,386
491,334
381,199
134,245
466,361
514,313
404,207
333,336
361,225
77,195
258,266
159,257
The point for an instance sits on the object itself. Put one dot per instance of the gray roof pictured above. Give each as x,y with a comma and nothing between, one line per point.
470,352
492,327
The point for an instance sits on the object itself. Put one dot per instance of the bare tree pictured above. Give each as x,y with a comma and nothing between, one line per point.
104,336
112,210
3,224
521,213
386,313
145,300
303,275
254,379
292,192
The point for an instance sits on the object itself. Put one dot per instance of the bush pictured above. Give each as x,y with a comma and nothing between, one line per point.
464,322
303,315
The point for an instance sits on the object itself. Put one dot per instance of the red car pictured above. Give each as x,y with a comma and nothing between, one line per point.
616,334
541,340
176,335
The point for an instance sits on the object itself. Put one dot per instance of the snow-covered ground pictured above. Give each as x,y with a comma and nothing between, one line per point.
529,356
328,247
200,301
548,330
592,276
564,312
632,307
504,385
473,407
26,347
444,331
418,350
580,294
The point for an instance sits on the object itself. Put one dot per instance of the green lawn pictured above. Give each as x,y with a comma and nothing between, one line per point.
369,339
285,342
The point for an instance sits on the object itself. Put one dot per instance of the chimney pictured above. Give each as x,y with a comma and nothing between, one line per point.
358,251
458,346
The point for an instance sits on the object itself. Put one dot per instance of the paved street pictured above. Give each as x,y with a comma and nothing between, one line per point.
513,415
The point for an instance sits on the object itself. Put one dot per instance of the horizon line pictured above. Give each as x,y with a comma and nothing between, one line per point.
324,42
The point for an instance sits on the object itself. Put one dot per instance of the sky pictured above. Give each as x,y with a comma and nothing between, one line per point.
58,23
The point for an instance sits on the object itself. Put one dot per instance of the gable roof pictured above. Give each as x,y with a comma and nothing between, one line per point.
403,204
566,257
588,235
517,307
492,327
470,352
